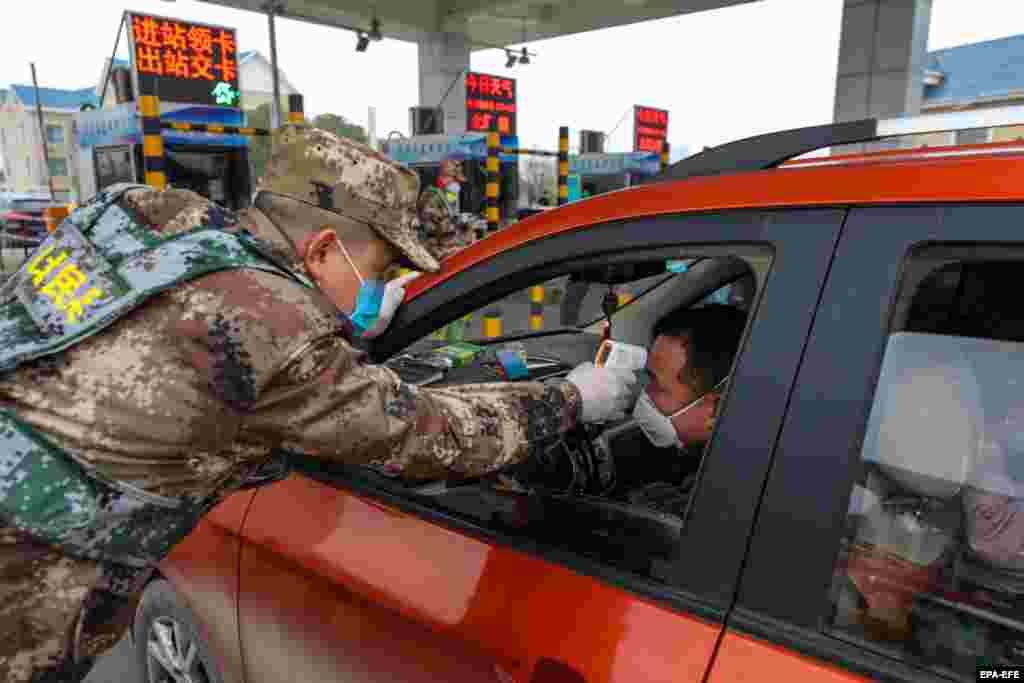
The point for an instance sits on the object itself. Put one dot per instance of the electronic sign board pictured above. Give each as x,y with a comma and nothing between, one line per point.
650,129
183,61
490,98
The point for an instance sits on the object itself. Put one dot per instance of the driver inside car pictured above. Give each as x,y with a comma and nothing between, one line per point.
687,368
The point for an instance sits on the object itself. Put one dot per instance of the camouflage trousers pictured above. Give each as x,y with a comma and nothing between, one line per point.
58,614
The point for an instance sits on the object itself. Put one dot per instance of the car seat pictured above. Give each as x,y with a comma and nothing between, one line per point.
922,436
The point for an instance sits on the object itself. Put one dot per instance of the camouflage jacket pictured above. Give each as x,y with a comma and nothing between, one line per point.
215,374
441,232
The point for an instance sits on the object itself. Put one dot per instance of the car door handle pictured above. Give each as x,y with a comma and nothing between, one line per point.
553,671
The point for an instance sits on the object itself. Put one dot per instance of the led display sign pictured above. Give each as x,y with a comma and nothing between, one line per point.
650,129
186,62
490,98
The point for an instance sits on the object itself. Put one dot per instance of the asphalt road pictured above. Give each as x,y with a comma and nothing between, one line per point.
117,667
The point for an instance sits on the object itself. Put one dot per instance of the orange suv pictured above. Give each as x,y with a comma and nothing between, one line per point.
854,516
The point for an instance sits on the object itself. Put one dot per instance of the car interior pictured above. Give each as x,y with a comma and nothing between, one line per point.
602,490
910,575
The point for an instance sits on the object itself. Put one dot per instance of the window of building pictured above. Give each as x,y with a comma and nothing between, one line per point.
931,569
58,166
55,134
976,136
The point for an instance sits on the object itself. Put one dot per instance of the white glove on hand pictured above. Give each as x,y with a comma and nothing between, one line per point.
606,392
394,294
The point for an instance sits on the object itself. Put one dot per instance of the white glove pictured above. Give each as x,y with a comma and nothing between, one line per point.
394,294
606,392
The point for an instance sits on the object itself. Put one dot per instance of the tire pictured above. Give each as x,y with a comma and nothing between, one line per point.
169,647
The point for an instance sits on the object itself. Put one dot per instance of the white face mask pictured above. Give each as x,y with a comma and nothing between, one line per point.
658,428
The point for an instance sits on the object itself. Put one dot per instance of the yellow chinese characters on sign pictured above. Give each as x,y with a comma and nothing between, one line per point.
68,290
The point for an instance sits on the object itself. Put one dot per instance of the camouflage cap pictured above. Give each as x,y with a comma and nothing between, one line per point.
350,179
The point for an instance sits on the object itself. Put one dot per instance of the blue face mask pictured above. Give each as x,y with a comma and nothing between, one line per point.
368,299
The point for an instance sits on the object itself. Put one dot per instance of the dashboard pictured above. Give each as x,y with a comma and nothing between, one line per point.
600,490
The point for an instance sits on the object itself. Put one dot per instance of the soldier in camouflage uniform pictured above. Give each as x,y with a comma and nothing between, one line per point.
442,228
171,407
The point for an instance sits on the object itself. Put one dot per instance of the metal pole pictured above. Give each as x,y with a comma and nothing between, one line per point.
275,111
664,156
563,165
113,54
493,209
153,164
42,131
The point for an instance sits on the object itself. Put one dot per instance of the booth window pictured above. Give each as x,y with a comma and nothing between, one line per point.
55,135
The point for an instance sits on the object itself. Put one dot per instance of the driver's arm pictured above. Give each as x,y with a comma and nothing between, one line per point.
331,405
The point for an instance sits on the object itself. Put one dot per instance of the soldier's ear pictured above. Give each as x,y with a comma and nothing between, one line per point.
318,247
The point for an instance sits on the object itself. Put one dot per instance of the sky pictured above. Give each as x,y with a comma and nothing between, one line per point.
722,74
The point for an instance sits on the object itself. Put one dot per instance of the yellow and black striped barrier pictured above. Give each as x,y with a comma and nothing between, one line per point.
152,143
537,307
664,156
493,148
492,323
213,128
296,114
563,165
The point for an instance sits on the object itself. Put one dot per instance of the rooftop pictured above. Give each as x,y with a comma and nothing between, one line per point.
993,69
55,98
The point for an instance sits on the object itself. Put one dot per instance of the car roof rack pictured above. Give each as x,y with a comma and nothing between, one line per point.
762,152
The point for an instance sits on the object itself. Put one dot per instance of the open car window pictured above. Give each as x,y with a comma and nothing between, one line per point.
594,492
575,300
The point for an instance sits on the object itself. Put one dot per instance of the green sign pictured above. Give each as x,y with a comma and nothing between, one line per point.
224,94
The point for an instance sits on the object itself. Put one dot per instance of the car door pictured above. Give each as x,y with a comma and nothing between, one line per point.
866,562
344,579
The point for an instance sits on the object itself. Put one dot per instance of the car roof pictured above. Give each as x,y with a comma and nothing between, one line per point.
969,173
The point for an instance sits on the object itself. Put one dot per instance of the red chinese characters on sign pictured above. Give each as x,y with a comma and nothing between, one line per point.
181,61
490,100
650,128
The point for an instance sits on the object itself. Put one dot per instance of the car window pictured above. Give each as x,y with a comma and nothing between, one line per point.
931,568
552,304
609,493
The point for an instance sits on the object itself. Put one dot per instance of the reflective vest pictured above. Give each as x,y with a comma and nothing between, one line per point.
99,265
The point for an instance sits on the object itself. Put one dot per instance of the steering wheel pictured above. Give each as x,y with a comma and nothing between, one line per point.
575,464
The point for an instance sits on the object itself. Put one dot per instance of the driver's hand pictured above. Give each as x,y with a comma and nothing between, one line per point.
394,294
607,393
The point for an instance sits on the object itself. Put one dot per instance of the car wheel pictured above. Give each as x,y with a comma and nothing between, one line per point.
169,645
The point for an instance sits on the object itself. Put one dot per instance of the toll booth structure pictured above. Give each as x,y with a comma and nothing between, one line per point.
110,149
600,173
424,154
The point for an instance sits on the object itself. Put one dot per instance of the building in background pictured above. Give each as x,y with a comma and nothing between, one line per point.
21,156
20,138
975,76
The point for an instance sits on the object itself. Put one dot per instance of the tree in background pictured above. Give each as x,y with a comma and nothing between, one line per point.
259,146
341,127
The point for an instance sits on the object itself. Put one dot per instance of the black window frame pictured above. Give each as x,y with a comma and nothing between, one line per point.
784,594
721,513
